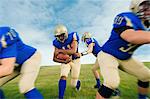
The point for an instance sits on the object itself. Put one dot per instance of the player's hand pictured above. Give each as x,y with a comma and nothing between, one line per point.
56,52
80,54
77,55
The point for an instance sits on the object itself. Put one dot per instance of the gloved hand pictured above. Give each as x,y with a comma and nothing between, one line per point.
76,55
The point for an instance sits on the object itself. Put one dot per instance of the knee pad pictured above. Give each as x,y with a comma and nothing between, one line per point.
143,84
105,91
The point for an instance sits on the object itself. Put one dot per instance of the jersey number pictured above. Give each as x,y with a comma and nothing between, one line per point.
11,34
118,20
128,49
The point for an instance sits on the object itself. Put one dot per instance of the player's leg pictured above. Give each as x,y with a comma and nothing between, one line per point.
6,79
96,74
75,74
65,69
140,71
143,89
109,71
28,74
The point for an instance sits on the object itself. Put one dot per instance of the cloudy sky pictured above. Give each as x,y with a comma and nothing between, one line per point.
35,20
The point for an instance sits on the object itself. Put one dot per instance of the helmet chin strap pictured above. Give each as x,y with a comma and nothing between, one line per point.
61,40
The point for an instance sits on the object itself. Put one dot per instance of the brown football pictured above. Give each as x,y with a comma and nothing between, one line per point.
63,56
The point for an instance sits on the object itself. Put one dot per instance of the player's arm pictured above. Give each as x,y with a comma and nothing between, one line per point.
72,50
124,27
7,66
89,50
55,59
136,37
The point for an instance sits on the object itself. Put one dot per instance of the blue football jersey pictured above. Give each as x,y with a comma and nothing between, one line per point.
8,35
96,47
116,46
15,47
67,43
0,46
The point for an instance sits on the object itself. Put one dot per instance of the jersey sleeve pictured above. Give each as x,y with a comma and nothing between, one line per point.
76,37
122,23
0,46
10,51
56,44
9,36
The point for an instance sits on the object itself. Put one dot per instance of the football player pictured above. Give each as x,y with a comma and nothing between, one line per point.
27,59
130,31
67,44
94,48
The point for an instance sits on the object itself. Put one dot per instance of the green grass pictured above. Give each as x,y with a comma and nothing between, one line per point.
47,83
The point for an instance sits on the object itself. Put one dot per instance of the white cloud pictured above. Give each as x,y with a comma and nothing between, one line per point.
35,20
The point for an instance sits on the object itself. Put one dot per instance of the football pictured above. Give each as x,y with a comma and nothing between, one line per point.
63,56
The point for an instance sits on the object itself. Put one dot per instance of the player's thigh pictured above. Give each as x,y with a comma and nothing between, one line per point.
136,68
65,69
109,69
75,71
6,79
30,69
32,64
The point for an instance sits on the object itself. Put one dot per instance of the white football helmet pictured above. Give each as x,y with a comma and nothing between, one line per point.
141,8
86,35
61,30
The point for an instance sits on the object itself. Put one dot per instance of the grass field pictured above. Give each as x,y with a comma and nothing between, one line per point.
47,83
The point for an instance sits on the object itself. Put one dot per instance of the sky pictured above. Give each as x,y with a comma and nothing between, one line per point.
35,21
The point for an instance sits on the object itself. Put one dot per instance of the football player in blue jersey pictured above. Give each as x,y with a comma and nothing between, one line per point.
130,30
94,48
17,58
67,44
